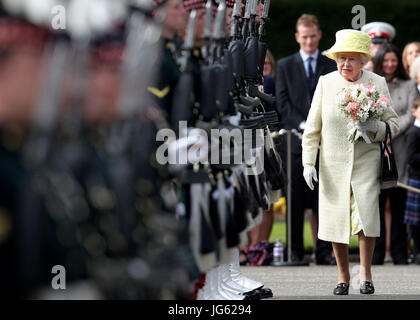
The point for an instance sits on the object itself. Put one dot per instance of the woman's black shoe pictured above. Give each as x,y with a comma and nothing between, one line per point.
341,289
366,287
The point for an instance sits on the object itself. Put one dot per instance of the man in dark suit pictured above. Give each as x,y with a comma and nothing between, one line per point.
296,80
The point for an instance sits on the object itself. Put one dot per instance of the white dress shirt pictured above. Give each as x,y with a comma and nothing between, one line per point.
305,57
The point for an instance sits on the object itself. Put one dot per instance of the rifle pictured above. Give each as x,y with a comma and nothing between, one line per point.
130,146
36,153
244,103
181,109
220,67
253,56
219,32
139,70
206,99
251,45
262,47
141,60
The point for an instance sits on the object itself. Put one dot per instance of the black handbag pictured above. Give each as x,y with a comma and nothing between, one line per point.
389,172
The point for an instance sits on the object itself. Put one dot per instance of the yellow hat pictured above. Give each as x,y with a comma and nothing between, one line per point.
349,40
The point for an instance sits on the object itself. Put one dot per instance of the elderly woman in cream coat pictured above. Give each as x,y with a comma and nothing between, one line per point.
349,184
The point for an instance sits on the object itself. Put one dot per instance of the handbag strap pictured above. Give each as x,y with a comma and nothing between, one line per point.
388,135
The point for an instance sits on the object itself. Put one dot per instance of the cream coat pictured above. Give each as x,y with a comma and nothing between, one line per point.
343,165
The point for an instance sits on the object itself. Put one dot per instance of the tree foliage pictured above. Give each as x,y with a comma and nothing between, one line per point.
334,15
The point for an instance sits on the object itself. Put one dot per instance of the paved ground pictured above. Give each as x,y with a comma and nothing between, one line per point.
318,282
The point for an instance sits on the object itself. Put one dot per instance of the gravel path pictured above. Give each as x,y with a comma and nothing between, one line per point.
318,282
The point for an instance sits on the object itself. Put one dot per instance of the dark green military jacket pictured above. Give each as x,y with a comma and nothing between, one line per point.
162,90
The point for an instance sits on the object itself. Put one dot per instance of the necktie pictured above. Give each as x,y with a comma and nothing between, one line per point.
310,73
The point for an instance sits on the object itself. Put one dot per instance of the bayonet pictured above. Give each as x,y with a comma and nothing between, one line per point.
253,8
208,21
189,40
220,22
247,9
47,109
236,12
207,29
245,30
236,15
253,15
219,32
266,9
264,18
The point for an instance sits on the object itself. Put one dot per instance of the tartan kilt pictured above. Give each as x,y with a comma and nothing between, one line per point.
412,205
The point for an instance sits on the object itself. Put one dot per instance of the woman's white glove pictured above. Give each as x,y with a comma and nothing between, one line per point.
309,173
369,125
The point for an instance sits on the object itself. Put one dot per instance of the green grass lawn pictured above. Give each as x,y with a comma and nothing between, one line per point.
279,231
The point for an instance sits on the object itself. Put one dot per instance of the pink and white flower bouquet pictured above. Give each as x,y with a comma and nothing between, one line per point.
361,103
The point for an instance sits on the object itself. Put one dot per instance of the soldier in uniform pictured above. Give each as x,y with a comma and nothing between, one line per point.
22,47
142,229
97,209
174,25
380,33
